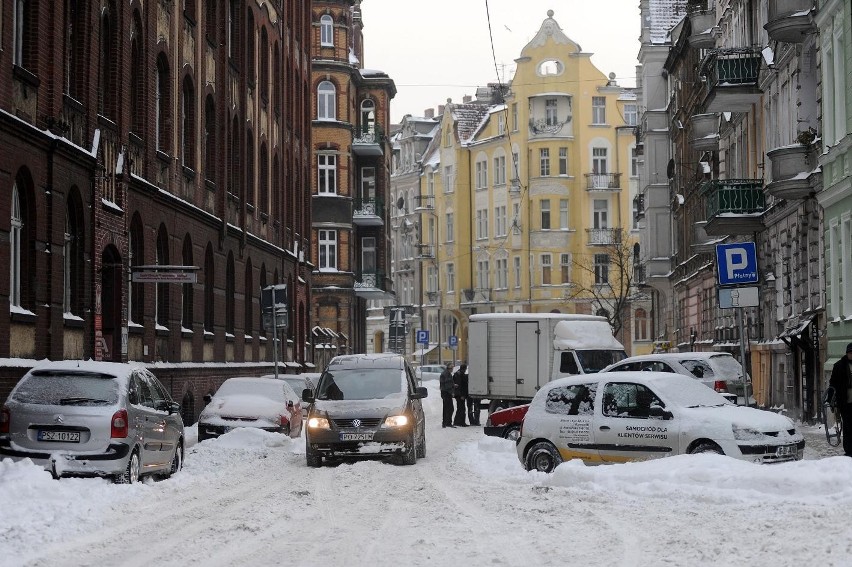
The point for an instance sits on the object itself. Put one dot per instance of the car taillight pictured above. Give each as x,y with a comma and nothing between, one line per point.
119,427
283,420
720,386
5,420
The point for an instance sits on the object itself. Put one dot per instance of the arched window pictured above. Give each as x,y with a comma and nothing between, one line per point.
75,47
251,182
106,79
16,244
277,79
264,65
640,319
187,290
73,255
188,124
162,104
21,242
249,300
229,294
137,76
263,182
235,185
326,31
326,101
162,303
251,68
137,258
210,139
263,284
233,29
276,190
368,116
209,279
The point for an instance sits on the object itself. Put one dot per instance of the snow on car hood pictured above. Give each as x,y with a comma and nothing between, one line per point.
717,421
246,405
363,408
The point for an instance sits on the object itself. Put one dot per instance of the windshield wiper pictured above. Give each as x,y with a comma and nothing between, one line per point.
81,400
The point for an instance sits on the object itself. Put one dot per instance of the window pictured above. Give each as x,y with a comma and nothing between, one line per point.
430,184
546,263
73,256
640,320
188,124
327,169
20,31
550,118
368,255
599,165
187,295
327,244
631,114
600,214
106,69
210,139
563,161
500,221
482,279
601,269
501,123
568,365
432,279
451,231
481,174
500,170
448,179
481,224
368,117
326,31
630,400
565,266
368,184
634,163
264,65
563,214
209,296
161,103
544,162
138,71
248,301
326,101
135,307
514,117
598,110
250,66
571,400
230,292
16,246
516,266
161,304
233,28
545,214
502,273
451,278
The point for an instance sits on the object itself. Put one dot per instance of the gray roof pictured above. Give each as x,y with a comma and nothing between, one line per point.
664,15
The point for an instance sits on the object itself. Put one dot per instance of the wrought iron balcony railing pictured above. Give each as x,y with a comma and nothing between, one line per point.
603,181
603,236
733,197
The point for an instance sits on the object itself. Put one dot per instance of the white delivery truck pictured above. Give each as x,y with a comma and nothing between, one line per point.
512,355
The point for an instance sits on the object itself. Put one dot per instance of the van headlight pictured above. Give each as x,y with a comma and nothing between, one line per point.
396,421
319,423
742,433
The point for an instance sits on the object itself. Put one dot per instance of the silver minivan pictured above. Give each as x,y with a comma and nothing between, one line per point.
90,418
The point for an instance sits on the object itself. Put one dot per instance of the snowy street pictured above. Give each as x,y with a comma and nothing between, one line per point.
248,498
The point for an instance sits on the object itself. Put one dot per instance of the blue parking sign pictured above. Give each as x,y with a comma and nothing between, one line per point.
736,263
423,336
453,341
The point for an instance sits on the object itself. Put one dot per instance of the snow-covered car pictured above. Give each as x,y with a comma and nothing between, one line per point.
366,406
506,423
93,419
428,372
613,417
264,403
299,383
717,370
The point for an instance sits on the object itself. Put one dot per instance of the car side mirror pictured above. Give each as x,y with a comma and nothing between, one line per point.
174,407
308,395
659,413
420,392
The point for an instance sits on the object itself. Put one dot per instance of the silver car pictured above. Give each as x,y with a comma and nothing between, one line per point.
93,419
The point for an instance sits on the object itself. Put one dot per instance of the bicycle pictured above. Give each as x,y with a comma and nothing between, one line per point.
830,407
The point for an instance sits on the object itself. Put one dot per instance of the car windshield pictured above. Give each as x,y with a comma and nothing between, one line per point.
298,384
360,384
267,388
64,388
596,360
688,392
726,366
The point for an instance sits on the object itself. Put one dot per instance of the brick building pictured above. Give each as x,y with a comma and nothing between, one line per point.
171,133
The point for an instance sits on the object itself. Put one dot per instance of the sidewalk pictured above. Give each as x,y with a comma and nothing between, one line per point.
816,447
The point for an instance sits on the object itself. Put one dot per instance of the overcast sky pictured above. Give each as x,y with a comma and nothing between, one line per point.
440,49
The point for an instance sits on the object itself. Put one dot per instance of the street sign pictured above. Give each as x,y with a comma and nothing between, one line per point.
733,297
164,274
422,336
453,341
736,263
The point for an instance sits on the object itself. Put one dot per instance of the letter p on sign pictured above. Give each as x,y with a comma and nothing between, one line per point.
736,260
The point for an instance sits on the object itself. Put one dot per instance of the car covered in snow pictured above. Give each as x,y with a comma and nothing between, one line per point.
366,406
428,372
91,418
263,403
613,417
299,382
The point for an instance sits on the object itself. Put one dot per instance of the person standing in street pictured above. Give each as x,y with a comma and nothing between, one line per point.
447,386
841,381
460,383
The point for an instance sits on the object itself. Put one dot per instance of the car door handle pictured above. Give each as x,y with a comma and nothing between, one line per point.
604,427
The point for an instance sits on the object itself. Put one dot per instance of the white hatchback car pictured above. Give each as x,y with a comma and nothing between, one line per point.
428,372
613,417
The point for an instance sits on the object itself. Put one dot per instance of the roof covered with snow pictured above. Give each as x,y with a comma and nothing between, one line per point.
664,15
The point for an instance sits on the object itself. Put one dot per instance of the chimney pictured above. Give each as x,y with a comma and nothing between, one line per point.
440,110
429,113
466,99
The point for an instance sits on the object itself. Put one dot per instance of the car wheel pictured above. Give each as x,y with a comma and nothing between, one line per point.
512,432
707,447
131,473
409,457
313,458
177,460
543,457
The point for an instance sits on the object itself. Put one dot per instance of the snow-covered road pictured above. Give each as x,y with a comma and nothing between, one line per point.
249,499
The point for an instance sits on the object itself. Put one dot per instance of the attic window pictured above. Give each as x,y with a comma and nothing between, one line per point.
550,67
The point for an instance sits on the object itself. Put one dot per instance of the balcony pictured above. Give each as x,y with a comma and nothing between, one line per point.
368,212
734,206
476,295
424,202
603,236
370,284
603,182
791,169
705,132
790,20
425,251
731,76
702,22
368,142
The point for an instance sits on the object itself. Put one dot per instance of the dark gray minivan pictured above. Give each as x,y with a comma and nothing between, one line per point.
365,406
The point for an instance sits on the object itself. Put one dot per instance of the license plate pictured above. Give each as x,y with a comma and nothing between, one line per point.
356,436
62,436
785,451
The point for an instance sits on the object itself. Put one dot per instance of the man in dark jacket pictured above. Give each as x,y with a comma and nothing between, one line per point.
841,381
447,387
460,382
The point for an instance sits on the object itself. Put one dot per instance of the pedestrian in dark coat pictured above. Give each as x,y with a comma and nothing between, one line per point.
447,387
461,394
841,381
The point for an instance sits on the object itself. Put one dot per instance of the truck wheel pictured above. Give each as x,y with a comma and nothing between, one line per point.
512,432
543,457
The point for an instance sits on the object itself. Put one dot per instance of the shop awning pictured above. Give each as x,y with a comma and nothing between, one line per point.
797,329
424,351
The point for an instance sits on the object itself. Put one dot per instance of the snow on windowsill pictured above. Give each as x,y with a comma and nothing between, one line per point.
71,317
20,310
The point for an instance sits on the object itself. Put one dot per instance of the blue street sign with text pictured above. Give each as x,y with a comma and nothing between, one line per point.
423,337
736,263
453,341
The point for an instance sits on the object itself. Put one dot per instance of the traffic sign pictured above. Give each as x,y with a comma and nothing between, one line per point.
732,297
422,336
736,263
453,341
